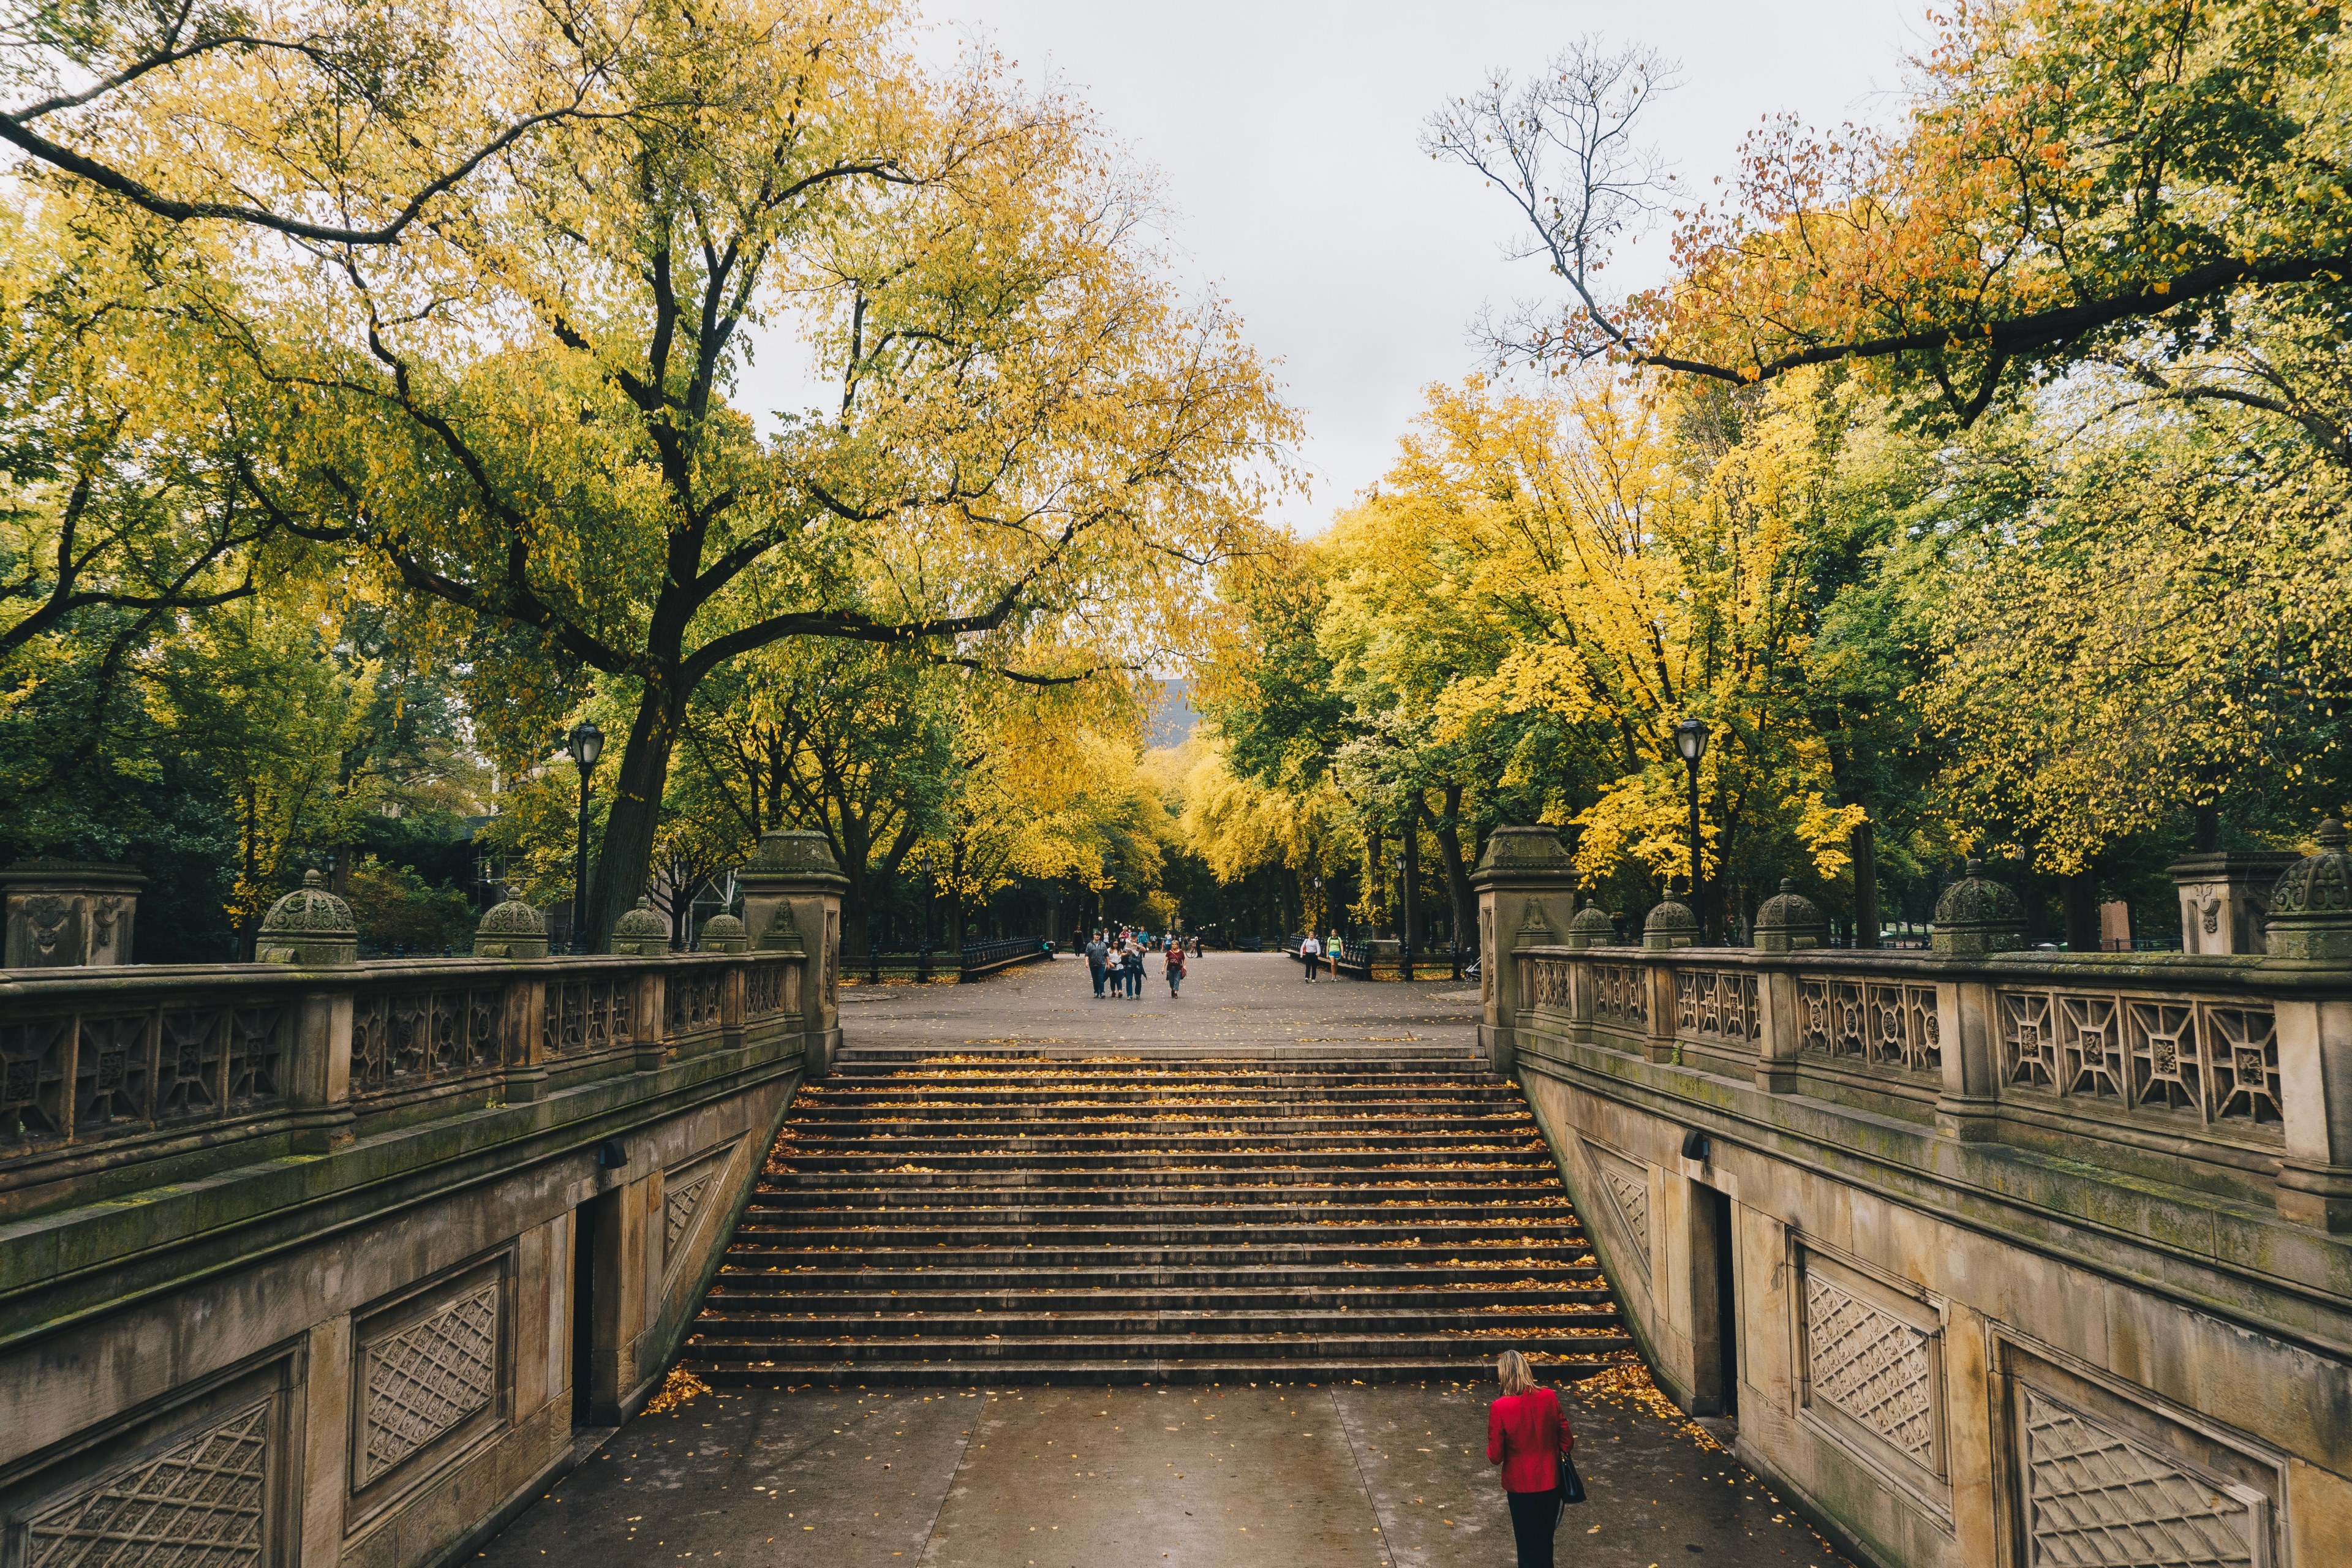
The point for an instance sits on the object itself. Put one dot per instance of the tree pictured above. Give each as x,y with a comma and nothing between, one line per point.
854,739
526,423
365,114
120,438
2077,178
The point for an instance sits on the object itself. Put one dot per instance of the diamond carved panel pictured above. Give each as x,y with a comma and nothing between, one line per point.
2095,1498
678,1204
1872,1367
1626,1186
427,1378
202,1502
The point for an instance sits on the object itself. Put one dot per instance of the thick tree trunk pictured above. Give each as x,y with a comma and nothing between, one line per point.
1863,841
2082,912
1457,876
627,852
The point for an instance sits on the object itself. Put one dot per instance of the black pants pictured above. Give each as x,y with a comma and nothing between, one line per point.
1533,1515
1098,979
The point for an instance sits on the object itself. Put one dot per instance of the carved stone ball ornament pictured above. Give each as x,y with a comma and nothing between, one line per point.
2311,906
642,933
511,930
1977,914
1670,925
722,933
1593,927
1789,922
308,926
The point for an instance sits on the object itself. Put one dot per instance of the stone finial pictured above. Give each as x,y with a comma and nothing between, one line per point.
2311,906
307,926
1524,856
1593,927
1977,914
511,928
1789,921
1670,925
722,933
800,857
642,933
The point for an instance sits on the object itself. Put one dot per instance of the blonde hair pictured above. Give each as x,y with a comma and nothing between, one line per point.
1512,1368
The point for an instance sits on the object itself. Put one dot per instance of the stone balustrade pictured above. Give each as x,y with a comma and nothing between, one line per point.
2231,1070
104,1067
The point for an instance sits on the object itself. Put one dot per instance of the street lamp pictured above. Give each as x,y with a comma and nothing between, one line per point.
1690,739
586,743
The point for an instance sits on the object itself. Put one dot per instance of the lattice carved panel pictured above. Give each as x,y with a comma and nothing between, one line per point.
1629,1193
202,1502
2095,1498
426,1379
678,1205
1872,1367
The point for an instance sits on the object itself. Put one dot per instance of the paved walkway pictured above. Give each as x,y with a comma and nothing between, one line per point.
1385,1476
1382,1477
1243,1002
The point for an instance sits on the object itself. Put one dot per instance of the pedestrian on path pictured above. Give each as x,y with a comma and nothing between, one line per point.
1528,1436
1135,970
1098,956
1311,952
1175,962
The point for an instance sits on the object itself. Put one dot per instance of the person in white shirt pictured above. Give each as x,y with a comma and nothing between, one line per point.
1312,952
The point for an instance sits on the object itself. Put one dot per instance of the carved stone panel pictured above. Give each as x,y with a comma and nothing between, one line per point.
2094,1498
427,1377
1872,1366
201,1501
1625,1185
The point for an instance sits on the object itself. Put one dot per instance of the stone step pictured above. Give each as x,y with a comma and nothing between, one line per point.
1204,1162
738,1294
715,1351
734,1327
823,1211
1136,1233
1480,1180
1127,1371
837,1191
949,1271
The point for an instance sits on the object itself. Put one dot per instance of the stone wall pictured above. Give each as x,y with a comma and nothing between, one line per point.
328,1265
1999,1259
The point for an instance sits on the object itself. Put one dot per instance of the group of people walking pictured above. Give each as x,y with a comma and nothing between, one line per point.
1117,961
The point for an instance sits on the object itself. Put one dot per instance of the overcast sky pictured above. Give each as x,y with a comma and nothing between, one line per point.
1284,131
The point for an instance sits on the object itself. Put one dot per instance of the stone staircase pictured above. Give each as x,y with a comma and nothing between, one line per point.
1003,1218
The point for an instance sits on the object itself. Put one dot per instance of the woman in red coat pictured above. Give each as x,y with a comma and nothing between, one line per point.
1526,1434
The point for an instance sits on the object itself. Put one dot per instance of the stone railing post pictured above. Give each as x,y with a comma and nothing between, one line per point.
1975,916
1524,879
1667,928
310,928
514,930
2311,929
792,901
319,1086
1788,922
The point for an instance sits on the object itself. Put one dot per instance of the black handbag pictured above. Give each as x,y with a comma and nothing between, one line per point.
1572,1485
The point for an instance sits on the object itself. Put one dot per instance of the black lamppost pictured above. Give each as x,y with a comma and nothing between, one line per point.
1690,739
586,743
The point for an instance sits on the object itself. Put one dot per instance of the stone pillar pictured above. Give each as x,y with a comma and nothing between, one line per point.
63,915
1976,915
792,902
1788,922
1670,926
1524,879
2225,898
2311,929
